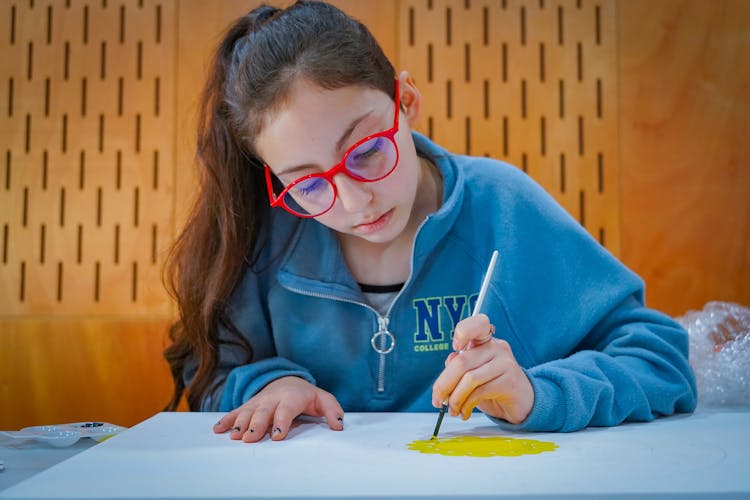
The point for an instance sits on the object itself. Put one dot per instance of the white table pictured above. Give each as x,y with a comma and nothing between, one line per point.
23,459
706,454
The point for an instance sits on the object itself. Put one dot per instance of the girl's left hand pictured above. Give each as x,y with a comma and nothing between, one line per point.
483,373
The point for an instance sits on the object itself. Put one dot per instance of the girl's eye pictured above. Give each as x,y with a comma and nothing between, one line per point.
366,151
310,186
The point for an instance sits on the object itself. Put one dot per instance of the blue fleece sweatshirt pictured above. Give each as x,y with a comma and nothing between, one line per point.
573,315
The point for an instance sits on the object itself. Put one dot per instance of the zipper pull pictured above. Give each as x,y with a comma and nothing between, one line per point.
383,341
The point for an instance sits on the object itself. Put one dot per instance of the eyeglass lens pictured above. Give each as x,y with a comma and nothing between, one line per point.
370,161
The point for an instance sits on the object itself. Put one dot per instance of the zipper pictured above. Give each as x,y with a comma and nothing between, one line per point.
385,344
386,341
383,320
382,341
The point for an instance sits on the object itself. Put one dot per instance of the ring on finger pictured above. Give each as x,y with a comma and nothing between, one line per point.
486,338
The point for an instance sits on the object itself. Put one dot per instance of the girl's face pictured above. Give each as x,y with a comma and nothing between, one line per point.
312,130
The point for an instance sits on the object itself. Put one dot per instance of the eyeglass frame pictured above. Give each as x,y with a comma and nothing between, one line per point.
328,175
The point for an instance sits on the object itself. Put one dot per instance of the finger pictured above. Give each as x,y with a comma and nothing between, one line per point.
484,339
501,387
473,378
492,390
447,380
282,420
450,357
458,365
225,422
259,424
508,397
468,329
332,411
241,421
326,405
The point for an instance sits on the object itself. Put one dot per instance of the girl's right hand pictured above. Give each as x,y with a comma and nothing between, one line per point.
274,408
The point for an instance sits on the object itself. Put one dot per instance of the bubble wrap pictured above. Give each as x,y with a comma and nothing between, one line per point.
720,353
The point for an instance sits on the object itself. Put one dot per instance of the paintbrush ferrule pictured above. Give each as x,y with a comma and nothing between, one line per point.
443,409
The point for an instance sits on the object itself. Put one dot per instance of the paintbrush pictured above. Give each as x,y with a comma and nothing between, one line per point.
477,307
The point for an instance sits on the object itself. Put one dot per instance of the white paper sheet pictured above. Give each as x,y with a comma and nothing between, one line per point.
177,455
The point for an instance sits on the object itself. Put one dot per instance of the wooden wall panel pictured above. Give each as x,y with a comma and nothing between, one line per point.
86,207
685,121
531,82
56,370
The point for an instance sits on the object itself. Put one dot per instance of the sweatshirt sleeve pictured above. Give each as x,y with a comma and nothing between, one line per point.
637,370
579,326
237,379
241,374
245,381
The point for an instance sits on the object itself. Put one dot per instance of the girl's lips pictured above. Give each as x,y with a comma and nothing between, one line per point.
375,225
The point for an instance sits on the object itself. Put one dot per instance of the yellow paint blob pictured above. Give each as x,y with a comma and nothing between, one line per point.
475,446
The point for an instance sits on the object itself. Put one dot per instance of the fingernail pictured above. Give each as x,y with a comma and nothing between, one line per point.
236,429
276,430
252,430
217,423
340,419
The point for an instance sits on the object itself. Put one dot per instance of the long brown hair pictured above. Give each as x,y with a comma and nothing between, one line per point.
260,56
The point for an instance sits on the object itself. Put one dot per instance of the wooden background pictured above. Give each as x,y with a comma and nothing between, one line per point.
632,113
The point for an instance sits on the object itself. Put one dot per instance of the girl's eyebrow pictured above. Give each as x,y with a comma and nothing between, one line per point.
348,132
339,144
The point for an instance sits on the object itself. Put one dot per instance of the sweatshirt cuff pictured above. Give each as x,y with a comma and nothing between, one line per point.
245,381
548,412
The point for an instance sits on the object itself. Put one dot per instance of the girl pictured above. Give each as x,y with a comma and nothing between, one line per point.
333,257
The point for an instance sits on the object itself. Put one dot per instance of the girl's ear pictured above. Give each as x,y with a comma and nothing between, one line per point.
411,99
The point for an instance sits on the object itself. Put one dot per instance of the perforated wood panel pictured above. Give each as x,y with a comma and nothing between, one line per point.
532,82
86,143
88,129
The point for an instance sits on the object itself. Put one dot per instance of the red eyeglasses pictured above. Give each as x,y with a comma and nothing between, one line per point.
368,160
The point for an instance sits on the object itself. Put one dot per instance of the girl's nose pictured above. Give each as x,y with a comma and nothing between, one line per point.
352,194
